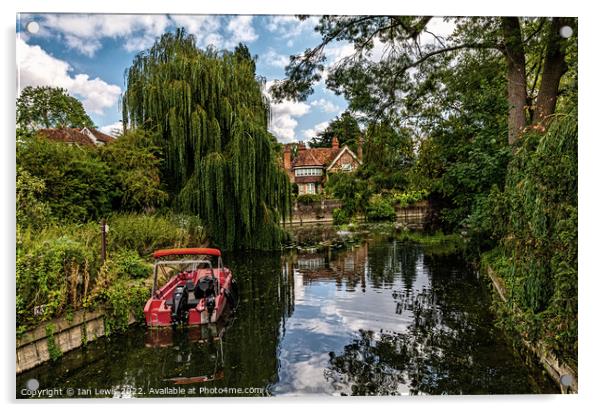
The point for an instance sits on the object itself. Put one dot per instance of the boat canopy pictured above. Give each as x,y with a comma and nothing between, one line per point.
187,251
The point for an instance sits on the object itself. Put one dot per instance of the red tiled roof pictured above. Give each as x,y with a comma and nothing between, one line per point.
315,157
73,135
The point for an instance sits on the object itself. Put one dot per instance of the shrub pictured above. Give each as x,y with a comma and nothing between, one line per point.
407,198
122,299
340,216
51,276
379,209
129,264
146,233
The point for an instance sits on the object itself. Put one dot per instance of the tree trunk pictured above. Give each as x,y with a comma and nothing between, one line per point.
516,76
554,67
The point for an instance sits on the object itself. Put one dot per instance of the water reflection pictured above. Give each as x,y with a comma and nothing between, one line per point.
377,318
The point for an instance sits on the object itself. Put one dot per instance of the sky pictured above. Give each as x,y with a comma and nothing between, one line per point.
88,55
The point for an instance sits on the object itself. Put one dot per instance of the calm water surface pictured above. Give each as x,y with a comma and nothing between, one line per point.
379,318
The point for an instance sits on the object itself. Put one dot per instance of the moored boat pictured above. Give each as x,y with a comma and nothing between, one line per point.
197,292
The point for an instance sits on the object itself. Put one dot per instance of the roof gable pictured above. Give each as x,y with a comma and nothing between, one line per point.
338,156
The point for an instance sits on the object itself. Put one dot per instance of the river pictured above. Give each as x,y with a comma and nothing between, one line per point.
378,317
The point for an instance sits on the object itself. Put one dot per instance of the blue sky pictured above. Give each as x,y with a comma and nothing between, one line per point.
88,54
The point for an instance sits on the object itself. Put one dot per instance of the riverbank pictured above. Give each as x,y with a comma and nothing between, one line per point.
516,323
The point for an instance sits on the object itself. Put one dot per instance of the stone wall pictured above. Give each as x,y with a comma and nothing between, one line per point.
564,376
414,216
61,335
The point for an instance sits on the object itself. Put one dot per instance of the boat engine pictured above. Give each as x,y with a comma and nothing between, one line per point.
179,308
205,289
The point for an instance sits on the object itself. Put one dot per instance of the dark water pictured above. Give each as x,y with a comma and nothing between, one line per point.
380,318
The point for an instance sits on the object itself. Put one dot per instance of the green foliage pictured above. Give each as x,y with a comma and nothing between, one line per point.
340,216
51,275
345,127
350,189
211,118
308,198
466,154
78,185
404,199
379,208
388,156
146,233
49,107
123,299
537,218
31,210
134,164
53,350
130,264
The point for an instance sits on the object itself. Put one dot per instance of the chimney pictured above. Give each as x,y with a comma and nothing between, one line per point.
301,146
360,151
287,157
335,143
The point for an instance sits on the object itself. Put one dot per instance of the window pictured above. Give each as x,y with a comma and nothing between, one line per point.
314,171
311,188
346,167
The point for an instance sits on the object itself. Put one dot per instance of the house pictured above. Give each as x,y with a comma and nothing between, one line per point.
310,167
84,136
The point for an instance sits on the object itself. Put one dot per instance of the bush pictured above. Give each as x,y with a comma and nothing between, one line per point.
122,299
536,217
340,217
129,264
407,198
379,209
77,185
146,233
51,276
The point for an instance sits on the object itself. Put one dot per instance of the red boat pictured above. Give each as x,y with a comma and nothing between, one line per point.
197,294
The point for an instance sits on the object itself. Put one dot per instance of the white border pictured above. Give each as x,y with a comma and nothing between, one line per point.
589,187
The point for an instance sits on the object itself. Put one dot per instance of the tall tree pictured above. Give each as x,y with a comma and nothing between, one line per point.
46,107
516,77
210,118
345,127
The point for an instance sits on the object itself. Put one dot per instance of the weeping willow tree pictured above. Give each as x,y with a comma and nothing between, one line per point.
210,117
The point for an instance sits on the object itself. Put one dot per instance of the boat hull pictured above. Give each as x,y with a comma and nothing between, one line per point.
158,312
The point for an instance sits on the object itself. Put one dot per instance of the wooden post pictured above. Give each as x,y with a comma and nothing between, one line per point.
103,235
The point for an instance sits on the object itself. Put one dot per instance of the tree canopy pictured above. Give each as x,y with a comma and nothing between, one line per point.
345,127
382,81
50,107
210,117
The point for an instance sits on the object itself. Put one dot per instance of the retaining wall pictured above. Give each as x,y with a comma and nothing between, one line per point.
35,346
552,365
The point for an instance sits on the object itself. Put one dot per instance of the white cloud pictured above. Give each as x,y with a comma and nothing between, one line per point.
326,105
291,26
205,28
272,58
313,132
241,30
38,68
114,129
85,32
284,114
